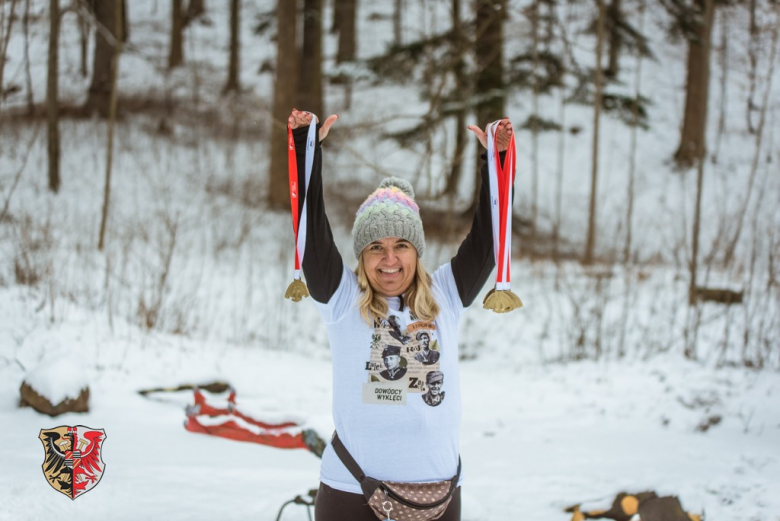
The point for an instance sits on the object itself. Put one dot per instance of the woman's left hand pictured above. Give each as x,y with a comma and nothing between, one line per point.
503,134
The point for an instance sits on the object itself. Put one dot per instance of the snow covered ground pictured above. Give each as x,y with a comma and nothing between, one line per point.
540,432
535,438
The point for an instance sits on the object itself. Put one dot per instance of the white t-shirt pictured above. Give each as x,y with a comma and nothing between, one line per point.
397,414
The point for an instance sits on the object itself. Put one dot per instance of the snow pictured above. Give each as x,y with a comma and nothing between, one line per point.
58,378
581,394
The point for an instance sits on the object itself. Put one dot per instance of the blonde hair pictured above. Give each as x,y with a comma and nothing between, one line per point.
419,296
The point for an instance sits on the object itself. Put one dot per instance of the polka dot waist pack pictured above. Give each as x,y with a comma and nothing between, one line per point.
400,501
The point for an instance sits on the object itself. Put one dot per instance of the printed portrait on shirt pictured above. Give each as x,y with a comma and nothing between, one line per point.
395,364
402,355
434,380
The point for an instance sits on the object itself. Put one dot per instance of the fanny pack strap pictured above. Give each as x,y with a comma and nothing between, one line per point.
369,485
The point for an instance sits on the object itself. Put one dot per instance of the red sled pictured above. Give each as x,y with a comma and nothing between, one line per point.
232,424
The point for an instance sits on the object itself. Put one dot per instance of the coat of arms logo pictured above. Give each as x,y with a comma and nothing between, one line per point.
73,463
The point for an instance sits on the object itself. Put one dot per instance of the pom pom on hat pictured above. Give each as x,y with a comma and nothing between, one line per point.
399,183
390,211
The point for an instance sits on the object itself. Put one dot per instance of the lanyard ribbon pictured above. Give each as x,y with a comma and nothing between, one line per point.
297,289
501,179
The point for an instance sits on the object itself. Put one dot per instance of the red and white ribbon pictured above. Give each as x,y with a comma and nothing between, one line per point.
502,178
299,225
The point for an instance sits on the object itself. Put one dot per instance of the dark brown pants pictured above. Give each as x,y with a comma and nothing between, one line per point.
335,505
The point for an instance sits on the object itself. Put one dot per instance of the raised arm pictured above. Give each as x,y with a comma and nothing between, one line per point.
322,264
475,259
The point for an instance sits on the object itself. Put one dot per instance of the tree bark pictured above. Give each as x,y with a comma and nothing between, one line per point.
6,38
634,141
347,12
591,244
84,31
753,46
285,88
52,102
692,137
614,18
310,86
27,73
489,85
118,21
99,98
195,9
233,83
176,54
704,50
461,86
398,22
535,128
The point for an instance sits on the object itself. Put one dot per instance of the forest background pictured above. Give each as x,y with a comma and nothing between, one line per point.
144,211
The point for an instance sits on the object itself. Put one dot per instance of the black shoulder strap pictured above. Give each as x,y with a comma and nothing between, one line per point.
369,485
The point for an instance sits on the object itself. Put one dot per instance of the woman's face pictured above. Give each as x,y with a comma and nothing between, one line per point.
390,265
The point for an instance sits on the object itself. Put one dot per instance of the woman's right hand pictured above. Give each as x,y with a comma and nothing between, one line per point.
300,118
503,134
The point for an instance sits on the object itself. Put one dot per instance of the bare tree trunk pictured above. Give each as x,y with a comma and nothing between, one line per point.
535,128
285,88
591,246
106,38
692,136
27,73
705,50
732,245
195,9
614,17
7,29
398,22
118,15
753,61
489,85
84,31
338,6
634,133
561,144
176,54
534,13
233,84
347,14
52,101
310,86
461,86
724,68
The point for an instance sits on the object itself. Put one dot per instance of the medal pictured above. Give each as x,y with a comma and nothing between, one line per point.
297,289
500,299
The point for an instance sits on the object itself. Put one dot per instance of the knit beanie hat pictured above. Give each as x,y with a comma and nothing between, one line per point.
390,211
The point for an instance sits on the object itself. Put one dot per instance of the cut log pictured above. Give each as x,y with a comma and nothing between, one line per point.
720,295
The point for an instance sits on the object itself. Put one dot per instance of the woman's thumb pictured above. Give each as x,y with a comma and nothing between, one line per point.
326,125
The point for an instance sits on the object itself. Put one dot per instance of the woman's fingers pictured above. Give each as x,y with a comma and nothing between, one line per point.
299,118
325,128
503,134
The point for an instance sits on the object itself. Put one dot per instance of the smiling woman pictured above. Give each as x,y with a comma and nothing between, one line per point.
393,332
388,243
390,265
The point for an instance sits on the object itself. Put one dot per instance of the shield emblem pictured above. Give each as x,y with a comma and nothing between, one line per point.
73,462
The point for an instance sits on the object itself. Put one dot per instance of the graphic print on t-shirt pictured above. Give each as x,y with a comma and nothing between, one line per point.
402,360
